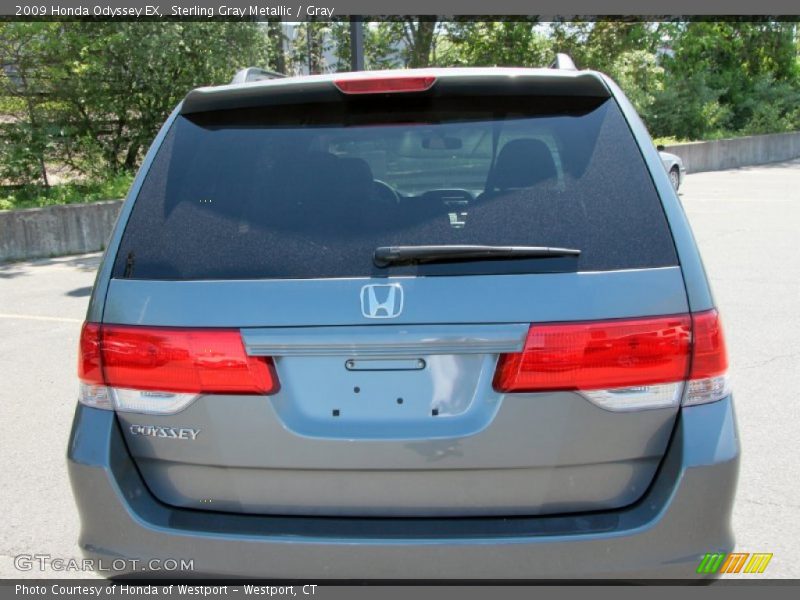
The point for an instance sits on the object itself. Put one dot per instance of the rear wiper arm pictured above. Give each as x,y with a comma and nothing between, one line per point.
404,255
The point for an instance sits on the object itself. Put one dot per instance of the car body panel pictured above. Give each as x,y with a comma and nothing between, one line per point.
684,514
519,454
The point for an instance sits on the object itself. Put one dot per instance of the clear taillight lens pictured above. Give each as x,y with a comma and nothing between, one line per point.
163,369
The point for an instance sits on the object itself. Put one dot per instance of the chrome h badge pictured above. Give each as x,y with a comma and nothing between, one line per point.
382,301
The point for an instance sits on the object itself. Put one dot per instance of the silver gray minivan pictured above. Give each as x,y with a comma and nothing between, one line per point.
425,324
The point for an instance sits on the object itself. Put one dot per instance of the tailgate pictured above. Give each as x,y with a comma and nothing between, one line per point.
400,419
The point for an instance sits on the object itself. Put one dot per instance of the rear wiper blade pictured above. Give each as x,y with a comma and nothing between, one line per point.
404,255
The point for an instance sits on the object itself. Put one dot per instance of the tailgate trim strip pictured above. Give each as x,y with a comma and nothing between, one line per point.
390,340
476,299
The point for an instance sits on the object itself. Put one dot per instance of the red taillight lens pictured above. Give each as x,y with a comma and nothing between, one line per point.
172,360
598,355
384,85
89,369
708,379
709,357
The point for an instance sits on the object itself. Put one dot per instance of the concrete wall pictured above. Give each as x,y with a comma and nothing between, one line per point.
56,230
737,152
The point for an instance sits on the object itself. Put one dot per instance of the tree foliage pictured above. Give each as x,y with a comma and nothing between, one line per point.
382,44
27,128
508,43
728,77
89,96
93,94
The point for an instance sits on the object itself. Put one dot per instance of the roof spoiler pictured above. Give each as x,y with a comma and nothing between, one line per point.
563,62
321,88
254,74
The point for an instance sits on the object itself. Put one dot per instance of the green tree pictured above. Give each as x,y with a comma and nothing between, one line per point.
382,43
597,44
419,37
514,43
89,96
736,59
108,86
772,106
689,108
409,42
640,76
120,80
26,125
695,79
310,41
276,41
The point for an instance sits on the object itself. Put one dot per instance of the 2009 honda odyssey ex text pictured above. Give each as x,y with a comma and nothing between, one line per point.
443,323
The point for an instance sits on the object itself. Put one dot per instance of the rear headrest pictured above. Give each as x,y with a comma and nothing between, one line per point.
320,166
355,173
522,163
302,180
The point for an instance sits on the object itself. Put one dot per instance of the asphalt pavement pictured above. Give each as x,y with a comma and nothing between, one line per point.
747,223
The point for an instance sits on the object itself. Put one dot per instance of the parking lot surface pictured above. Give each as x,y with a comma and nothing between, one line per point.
747,222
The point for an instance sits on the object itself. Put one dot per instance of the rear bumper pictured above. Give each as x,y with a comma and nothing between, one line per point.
685,514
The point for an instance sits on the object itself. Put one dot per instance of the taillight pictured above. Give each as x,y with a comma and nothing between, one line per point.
708,377
384,85
89,369
626,364
161,369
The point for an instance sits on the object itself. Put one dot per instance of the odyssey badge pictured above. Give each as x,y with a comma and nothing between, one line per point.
175,433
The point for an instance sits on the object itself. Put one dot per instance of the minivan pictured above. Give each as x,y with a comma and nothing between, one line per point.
418,324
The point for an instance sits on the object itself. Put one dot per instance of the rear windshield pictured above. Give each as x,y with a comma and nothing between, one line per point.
310,191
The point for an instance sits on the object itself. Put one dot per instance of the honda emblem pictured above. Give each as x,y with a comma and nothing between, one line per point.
382,301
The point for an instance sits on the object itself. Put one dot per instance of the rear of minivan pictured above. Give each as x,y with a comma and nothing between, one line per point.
437,324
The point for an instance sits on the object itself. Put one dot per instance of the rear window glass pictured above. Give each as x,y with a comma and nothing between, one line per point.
310,191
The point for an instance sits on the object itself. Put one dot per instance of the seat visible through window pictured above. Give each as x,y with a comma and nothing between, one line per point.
521,163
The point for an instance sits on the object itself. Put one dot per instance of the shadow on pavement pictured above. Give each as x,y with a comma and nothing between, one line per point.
84,262
11,270
80,292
